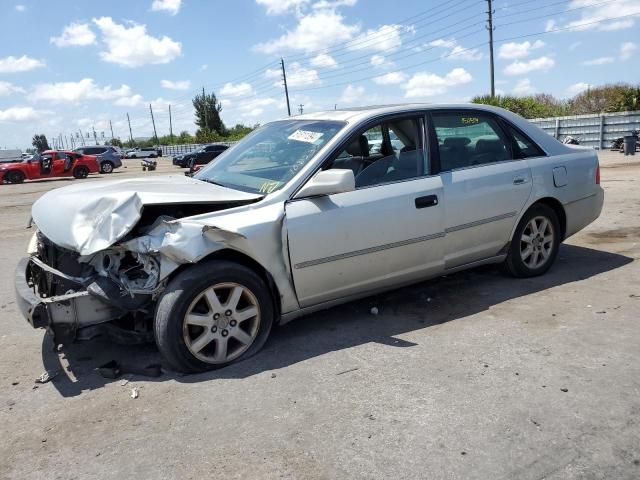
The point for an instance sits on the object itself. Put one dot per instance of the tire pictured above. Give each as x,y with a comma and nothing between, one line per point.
80,172
152,156
15,177
534,257
106,167
210,325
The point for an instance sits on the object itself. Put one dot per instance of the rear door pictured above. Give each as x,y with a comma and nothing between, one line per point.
386,232
485,187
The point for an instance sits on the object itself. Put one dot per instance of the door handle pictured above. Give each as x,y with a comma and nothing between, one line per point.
519,180
426,201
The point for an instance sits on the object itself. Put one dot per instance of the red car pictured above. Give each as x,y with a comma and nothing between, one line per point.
49,164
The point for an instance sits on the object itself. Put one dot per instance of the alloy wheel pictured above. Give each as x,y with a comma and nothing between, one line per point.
537,242
221,323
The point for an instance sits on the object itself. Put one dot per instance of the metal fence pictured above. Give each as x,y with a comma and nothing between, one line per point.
171,150
593,130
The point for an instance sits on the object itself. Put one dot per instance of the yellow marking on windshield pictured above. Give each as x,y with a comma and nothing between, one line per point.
270,186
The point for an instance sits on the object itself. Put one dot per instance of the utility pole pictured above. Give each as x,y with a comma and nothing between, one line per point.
286,89
490,27
130,134
95,137
155,134
111,127
170,126
204,103
66,141
300,109
81,136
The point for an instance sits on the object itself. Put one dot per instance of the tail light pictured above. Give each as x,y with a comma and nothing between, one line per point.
598,173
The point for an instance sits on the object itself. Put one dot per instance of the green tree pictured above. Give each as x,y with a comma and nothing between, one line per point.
606,98
208,110
184,137
528,107
40,142
239,131
116,142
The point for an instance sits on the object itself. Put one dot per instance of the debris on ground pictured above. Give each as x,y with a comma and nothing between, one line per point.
113,370
135,392
374,310
273,375
347,371
47,376
565,390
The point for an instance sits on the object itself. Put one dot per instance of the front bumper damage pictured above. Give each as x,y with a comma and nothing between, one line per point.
66,316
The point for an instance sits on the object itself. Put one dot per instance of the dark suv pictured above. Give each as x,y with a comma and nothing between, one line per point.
202,156
107,157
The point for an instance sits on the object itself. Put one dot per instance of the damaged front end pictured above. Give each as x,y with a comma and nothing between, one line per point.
74,297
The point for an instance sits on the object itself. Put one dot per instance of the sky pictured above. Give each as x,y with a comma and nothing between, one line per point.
74,66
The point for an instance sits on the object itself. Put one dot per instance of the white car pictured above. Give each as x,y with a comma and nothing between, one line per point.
146,152
263,235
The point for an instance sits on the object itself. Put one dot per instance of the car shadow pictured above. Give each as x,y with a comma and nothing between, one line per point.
422,305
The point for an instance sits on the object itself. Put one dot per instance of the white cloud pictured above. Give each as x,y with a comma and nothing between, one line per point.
176,85
236,90
524,87
24,63
323,60
74,34
520,68
455,50
319,30
352,94
256,103
19,114
391,78
171,6
425,84
334,4
599,61
596,12
131,101
20,8
84,89
203,67
574,45
297,75
627,49
277,7
386,38
131,46
550,25
577,88
7,88
380,61
515,50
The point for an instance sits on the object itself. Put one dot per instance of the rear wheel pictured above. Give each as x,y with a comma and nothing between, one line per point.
535,243
211,315
81,172
15,177
106,167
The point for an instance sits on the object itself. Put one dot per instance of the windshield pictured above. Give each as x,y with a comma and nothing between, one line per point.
269,157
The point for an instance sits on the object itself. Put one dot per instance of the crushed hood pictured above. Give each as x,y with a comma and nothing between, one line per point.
89,217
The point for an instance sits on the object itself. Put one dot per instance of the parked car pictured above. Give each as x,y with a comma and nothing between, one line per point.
107,156
51,163
201,156
145,152
212,262
10,155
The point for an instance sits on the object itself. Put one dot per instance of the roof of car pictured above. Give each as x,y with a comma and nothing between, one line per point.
359,113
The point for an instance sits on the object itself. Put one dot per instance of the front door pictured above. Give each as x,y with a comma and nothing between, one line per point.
485,188
386,232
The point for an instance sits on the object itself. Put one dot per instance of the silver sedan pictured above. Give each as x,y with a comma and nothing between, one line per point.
303,214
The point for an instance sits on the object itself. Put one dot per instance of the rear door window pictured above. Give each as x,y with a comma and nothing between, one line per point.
524,147
467,139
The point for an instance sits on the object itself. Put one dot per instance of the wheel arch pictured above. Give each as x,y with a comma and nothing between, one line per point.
240,258
552,203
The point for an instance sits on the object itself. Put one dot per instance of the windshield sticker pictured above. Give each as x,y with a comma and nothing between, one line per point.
268,187
306,136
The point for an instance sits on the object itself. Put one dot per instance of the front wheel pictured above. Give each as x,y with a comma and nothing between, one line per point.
212,315
535,243
15,177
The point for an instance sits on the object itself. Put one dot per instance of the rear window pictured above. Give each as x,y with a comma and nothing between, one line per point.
524,146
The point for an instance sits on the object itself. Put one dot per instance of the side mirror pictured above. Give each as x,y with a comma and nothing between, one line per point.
327,182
